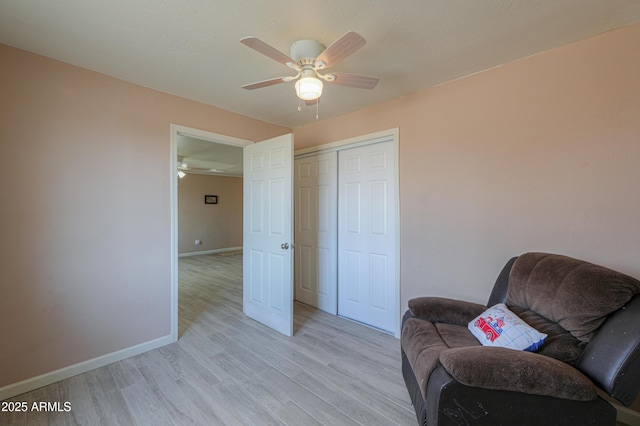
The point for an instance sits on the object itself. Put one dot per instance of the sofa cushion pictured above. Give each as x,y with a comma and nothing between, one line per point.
575,294
559,344
498,326
517,371
455,336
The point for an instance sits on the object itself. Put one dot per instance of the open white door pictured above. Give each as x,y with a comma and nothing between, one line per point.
268,233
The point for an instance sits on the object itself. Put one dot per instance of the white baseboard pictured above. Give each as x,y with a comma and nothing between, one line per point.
198,253
27,385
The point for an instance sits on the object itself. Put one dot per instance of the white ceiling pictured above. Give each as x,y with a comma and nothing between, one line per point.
191,48
209,158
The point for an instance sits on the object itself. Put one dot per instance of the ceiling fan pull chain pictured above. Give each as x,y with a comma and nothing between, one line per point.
317,108
299,105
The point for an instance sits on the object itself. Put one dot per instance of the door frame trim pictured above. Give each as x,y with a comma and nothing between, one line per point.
175,131
368,139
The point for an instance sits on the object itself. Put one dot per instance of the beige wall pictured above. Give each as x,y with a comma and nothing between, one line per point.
218,226
539,154
85,217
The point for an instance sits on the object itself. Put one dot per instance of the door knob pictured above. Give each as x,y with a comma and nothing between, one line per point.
284,246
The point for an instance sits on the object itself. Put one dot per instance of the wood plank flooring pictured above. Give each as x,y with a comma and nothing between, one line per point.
227,369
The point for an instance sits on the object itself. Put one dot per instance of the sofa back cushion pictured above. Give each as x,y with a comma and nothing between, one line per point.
574,294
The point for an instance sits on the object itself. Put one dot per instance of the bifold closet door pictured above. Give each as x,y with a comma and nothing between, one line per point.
315,253
367,235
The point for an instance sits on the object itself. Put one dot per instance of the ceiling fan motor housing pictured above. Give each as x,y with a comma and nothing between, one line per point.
306,49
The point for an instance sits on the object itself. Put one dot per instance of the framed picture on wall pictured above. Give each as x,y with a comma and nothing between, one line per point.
211,199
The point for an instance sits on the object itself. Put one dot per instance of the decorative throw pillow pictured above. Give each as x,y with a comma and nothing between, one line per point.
498,326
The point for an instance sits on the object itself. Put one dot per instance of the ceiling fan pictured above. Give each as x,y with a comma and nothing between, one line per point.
308,58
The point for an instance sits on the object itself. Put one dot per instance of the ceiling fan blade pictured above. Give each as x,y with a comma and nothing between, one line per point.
262,47
264,83
341,48
353,80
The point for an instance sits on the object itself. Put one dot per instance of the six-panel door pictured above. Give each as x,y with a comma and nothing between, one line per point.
268,233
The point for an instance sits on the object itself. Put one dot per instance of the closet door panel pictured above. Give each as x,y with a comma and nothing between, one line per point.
366,235
315,250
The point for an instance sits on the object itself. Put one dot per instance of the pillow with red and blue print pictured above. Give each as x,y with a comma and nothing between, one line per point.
498,326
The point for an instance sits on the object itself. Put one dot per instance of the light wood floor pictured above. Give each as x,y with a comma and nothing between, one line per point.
226,369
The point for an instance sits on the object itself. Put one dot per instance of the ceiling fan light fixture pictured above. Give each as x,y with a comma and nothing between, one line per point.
309,88
307,58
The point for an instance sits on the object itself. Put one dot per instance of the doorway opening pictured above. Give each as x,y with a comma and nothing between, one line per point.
191,153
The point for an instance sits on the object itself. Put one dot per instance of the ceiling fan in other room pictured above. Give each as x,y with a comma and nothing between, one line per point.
308,58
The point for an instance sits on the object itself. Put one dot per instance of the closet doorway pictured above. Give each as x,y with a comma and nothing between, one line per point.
347,229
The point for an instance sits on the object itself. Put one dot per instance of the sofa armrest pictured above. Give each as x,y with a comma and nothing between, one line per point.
449,402
443,310
518,371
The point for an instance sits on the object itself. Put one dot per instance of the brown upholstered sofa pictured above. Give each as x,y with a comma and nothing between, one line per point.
591,315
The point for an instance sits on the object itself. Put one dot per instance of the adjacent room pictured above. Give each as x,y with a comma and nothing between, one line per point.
219,212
